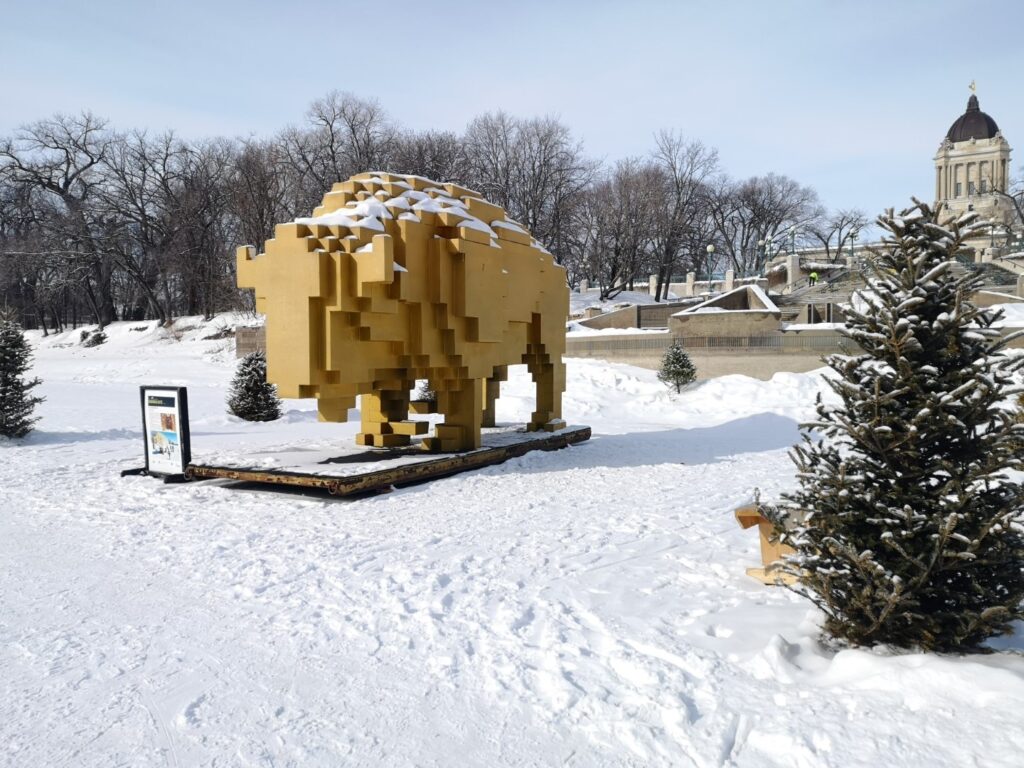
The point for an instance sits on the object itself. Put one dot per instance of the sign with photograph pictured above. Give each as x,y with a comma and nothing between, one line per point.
165,430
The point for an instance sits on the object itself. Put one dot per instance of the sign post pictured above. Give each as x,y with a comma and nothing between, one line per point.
165,432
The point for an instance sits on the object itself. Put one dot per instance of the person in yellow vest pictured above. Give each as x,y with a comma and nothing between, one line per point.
812,278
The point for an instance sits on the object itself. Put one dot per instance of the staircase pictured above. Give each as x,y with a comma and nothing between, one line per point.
993,277
836,290
839,289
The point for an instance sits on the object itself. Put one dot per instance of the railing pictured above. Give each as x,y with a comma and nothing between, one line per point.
638,345
648,344
794,342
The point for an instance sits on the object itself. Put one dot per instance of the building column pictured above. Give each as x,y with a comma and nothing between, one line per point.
792,270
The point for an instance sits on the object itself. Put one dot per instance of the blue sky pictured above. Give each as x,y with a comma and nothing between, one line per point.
851,98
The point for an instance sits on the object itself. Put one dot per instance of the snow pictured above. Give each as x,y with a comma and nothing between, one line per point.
591,298
1013,315
575,330
498,223
713,304
813,326
371,212
585,607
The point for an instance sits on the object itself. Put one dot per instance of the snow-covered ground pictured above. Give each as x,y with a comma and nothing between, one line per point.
575,330
586,607
592,298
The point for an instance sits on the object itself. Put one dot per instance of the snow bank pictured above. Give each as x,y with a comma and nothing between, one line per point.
575,330
1013,315
585,607
581,301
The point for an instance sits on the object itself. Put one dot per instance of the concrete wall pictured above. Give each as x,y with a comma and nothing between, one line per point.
627,317
759,366
988,298
823,312
647,352
757,356
657,315
643,349
749,323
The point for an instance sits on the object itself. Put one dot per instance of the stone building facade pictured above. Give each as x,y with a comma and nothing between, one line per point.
972,166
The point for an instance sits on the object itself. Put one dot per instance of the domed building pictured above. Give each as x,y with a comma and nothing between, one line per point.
973,162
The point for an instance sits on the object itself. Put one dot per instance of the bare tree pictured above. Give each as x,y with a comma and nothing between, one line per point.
762,207
59,157
685,168
533,168
438,155
619,215
261,191
835,230
345,135
1014,194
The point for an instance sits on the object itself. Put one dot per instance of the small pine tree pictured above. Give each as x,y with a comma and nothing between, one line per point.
676,367
16,404
93,339
251,397
424,393
906,527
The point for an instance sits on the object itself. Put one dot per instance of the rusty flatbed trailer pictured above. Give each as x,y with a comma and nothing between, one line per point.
420,466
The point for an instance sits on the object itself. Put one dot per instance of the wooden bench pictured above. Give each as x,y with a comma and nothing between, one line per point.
772,550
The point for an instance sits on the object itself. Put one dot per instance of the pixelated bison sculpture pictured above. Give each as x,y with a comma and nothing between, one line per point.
399,278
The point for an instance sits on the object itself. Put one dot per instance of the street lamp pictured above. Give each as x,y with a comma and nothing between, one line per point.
762,247
991,233
853,245
792,239
711,256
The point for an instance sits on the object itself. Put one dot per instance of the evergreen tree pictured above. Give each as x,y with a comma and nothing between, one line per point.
425,393
907,530
16,404
676,367
251,397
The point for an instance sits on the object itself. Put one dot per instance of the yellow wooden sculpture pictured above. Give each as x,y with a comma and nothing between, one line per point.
399,278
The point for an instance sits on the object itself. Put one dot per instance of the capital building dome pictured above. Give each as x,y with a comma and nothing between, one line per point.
972,166
972,124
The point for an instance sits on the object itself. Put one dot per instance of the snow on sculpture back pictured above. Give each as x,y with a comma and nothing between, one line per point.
398,278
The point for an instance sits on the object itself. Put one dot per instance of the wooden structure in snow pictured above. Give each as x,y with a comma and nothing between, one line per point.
772,550
367,472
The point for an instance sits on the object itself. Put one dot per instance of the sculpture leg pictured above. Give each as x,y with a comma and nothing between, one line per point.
334,408
549,379
385,417
461,402
491,391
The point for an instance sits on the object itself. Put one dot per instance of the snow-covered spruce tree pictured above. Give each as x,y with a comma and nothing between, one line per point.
676,367
16,401
907,530
425,393
251,397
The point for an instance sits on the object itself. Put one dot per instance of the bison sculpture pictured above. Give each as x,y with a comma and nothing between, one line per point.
398,278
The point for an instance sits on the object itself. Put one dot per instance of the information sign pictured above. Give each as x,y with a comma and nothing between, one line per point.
165,430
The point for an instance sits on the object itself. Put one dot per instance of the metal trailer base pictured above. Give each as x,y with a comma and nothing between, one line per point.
418,468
